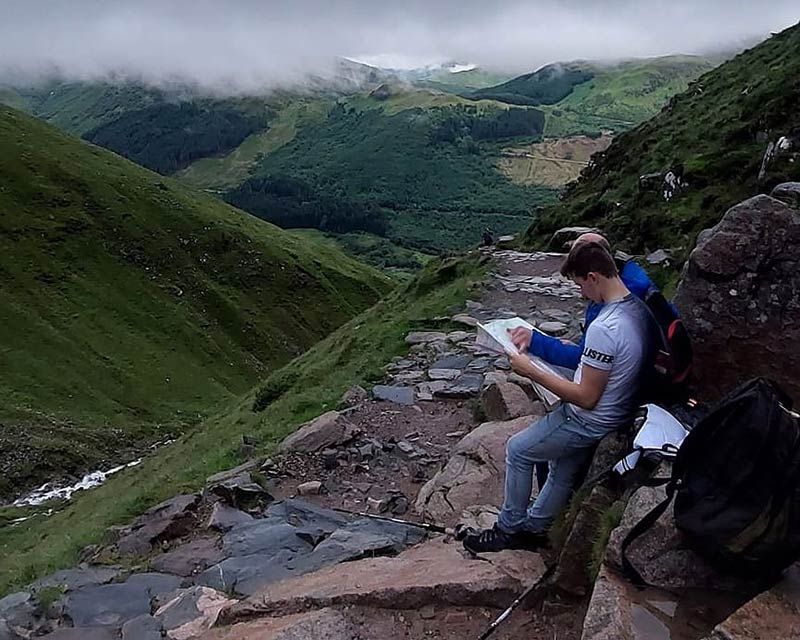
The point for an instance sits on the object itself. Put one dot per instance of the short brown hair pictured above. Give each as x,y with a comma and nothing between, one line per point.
586,257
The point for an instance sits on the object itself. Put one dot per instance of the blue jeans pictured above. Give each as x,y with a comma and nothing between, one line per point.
558,438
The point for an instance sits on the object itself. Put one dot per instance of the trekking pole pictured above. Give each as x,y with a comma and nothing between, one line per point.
502,617
435,528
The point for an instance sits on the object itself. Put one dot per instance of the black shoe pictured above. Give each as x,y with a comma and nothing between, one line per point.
495,539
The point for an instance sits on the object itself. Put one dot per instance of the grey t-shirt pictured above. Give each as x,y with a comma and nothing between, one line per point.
617,341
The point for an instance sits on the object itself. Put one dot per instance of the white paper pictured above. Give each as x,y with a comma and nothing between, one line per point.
494,336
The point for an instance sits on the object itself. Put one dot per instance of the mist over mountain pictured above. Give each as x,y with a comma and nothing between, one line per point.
248,46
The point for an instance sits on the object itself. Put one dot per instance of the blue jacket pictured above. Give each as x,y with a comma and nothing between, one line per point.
569,355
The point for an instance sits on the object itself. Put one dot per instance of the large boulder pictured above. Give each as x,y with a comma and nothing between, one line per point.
473,475
740,297
328,430
562,238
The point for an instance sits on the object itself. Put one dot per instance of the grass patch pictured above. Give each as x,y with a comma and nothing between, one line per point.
609,521
353,354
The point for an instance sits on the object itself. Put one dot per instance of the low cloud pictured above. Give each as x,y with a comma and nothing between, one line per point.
249,45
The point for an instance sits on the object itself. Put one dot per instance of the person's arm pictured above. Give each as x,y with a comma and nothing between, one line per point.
584,394
597,360
555,351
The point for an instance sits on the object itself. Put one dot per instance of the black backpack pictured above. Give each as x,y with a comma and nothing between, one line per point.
736,484
674,357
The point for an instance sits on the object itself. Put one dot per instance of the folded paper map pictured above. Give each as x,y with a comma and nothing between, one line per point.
494,336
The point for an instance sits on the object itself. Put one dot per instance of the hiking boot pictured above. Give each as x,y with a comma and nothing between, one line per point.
495,539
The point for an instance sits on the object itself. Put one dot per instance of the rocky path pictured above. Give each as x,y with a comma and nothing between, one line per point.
262,552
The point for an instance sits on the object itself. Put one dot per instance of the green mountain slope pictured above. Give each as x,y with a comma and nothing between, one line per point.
714,135
309,385
588,97
133,305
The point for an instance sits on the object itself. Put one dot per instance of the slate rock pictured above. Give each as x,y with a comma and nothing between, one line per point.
467,385
190,558
424,337
88,633
235,472
331,429
241,491
398,394
144,627
114,604
354,395
443,374
171,519
224,518
463,318
553,328
451,362
82,576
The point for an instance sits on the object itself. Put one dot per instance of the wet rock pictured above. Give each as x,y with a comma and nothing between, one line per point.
190,558
772,615
740,297
331,429
467,385
114,604
166,521
506,401
191,611
434,572
788,193
354,395
425,337
397,394
224,518
313,487
473,475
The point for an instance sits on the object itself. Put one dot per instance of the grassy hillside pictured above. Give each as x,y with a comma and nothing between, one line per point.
309,385
623,95
588,97
132,306
714,135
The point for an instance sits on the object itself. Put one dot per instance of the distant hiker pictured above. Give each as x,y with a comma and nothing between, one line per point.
600,398
487,238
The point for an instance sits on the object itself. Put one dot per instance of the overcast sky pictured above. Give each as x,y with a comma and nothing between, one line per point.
248,44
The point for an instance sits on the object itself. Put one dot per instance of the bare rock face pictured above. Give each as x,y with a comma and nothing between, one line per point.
474,474
433,572
325,624
772,615
740,297
506,401
328,430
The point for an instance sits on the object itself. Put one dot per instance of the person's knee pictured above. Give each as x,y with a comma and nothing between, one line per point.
519,451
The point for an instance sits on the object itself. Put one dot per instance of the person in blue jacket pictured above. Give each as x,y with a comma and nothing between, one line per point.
567,354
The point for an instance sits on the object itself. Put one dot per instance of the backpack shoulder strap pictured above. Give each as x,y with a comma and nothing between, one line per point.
643,525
